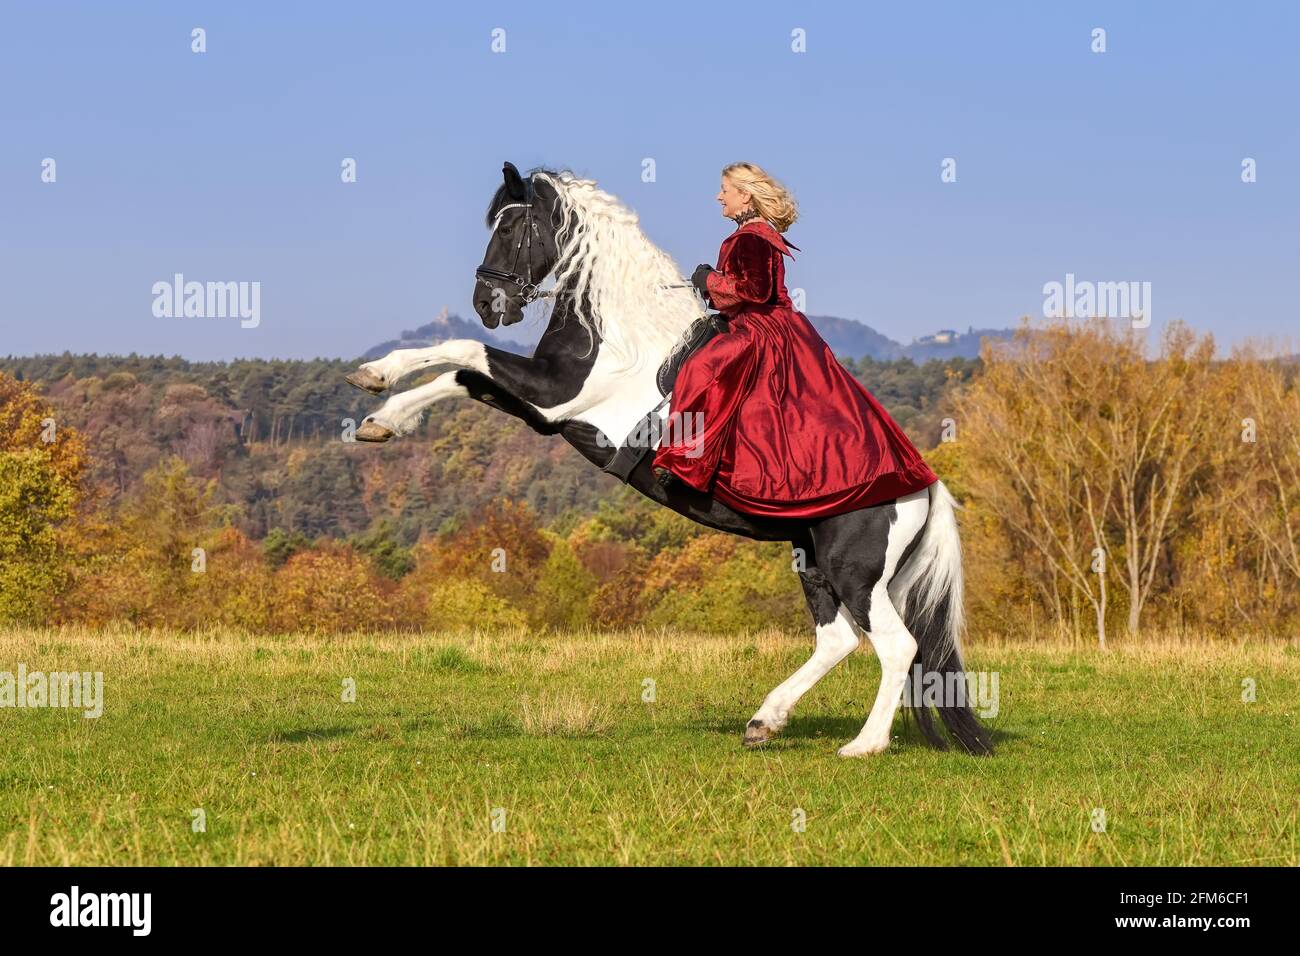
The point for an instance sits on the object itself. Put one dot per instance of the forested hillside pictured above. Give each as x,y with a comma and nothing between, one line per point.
1104,490
269,433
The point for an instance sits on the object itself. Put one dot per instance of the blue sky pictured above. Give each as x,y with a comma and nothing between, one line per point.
225,165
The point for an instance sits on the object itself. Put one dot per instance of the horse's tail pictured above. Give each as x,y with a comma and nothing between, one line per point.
928,594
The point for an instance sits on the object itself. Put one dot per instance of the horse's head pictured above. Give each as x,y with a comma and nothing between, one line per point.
521,251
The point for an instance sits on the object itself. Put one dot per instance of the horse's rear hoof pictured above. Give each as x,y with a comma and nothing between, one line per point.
373,431
758,733
367,381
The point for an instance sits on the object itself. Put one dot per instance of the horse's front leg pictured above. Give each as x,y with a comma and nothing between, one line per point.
517,384
401,414
382,374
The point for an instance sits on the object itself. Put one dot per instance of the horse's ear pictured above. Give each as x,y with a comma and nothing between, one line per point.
514,182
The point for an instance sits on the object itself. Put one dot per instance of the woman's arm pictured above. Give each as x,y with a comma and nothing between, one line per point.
748,274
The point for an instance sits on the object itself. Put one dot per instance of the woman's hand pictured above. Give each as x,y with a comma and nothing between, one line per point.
700,279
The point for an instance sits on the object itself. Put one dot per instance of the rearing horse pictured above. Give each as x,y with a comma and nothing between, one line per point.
622,318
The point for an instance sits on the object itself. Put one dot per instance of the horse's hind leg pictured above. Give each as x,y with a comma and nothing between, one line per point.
896,648
836,639
864,549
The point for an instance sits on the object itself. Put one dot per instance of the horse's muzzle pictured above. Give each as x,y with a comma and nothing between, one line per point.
496,308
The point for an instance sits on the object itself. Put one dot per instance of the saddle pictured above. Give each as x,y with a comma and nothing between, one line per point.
636,445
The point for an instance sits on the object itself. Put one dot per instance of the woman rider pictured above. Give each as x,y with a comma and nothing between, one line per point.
779,427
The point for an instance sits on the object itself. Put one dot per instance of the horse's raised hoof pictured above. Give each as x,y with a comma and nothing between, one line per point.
373,431
758,733
367,381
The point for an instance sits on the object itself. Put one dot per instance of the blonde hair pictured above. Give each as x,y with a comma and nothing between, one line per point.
771,199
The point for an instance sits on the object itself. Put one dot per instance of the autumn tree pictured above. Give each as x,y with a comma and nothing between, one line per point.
1089,455
41,469
1243,565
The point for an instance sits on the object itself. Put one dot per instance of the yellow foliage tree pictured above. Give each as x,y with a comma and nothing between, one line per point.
1089,456
41,470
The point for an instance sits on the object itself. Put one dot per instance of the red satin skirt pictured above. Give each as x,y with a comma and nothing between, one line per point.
765,419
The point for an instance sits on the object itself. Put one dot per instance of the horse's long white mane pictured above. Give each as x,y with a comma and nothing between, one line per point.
623,278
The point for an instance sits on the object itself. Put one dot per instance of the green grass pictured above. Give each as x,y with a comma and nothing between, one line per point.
553,729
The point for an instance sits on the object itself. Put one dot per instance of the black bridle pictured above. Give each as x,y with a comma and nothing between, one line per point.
528,288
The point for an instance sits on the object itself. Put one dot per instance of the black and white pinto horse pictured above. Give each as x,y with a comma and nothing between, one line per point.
621,312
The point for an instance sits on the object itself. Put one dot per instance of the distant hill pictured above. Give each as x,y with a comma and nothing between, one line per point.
948,344
853,339
441,329
846,337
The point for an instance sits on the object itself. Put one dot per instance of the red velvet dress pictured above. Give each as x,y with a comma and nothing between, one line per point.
765,419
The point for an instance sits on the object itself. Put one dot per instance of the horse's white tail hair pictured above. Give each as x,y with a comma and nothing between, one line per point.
931,581
928,594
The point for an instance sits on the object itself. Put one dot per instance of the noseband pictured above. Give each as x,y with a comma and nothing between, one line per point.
528,289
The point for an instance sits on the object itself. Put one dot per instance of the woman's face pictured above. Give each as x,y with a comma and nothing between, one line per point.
734,201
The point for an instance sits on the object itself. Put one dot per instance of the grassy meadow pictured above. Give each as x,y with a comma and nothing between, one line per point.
549,735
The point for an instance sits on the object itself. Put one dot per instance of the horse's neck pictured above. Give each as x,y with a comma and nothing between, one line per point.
566,339
612,397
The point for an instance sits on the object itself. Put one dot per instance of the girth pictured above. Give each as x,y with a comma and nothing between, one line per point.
637,445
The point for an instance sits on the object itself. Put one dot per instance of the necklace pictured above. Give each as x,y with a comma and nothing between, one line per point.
745,217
